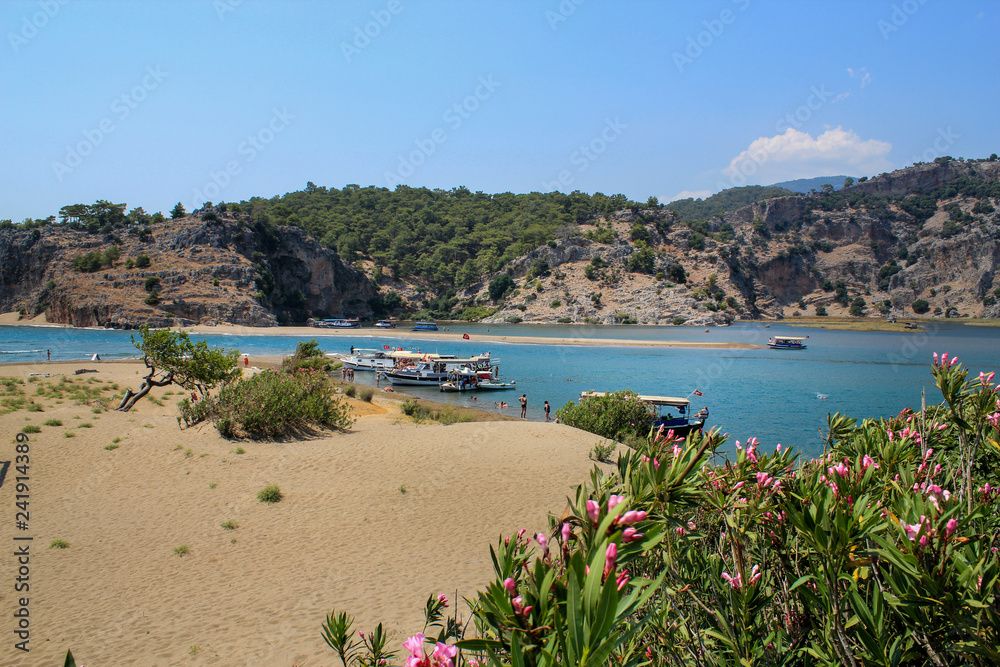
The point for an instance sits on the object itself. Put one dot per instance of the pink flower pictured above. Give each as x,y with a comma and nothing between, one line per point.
566,532
509,584
610,558
735,582
614,501
415,644
692,526
593,510
738,485
622,579
778,448
630,535
541,540
632,516
442,599
444,654
867,462
950,527
755,574
680,531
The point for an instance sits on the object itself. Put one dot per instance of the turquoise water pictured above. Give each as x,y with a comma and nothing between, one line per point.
770,394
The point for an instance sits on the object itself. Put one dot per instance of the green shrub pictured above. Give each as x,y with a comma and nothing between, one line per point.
272,404
151,283
142,261
52,422
602,452
270,494
152,299
366,394
677,321
555,303
58,544
565,320
615,415
230,525
350,390
920,306
31,428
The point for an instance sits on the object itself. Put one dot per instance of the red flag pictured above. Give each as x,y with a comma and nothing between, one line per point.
387,347
399,349
697,393
465,336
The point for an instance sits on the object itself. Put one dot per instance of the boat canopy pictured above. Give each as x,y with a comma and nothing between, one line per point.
788,338
671,401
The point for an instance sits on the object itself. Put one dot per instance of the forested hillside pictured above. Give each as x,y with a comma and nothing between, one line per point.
445,237
730,199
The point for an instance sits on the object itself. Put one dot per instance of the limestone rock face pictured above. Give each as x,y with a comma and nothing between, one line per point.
210,272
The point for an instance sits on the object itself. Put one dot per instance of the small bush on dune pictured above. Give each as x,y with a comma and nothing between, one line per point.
350,390
366,394
272,404
270,494
615,416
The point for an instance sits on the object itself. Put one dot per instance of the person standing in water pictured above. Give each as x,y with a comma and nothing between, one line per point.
547,418
524,405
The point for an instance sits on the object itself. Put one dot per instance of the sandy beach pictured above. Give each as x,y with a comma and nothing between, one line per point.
373,521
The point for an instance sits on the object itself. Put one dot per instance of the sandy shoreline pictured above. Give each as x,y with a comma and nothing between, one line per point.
446,336
373,521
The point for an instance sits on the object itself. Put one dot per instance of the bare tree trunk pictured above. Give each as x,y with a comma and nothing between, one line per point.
148,383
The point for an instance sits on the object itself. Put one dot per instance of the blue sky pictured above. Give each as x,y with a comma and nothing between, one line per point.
152,103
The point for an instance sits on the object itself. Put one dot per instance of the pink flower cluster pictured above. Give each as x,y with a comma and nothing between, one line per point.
629,534
443,655
944,360
736,581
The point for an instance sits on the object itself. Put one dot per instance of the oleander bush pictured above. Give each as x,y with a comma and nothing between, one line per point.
884,550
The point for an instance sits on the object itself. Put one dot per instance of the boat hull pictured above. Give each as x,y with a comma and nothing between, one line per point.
497,386
786,347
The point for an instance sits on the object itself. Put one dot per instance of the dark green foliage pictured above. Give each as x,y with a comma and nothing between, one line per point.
696,241
676,273
618,415
500,285
840,291
152,298
821,311
827,285
727,200
151,283
270,494
96,260
858,307
539,267
887,272
274,404
178,211
142,261
920,306
640,233
643,260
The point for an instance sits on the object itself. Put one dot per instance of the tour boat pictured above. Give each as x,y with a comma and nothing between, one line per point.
786,343
462,379
340,323
661,413
385,324
425,326
361,359
432,371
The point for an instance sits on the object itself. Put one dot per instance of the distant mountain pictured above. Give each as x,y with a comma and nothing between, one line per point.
804,185
730,199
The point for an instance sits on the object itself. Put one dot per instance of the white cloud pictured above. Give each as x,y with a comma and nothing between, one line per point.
686,194
796,154
863,74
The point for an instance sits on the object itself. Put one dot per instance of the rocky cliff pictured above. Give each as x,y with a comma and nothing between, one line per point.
920,242
216,270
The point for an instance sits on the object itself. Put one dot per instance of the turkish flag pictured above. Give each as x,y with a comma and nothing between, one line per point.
465,336
697,393
387,347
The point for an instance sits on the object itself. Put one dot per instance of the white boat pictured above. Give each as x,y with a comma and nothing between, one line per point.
362,359
463,379
786,343
432,371
495,384
385,324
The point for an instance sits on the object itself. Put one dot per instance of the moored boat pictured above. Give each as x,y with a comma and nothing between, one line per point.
432,371
786,343
336,323
424,326
385,324
361,359
494,385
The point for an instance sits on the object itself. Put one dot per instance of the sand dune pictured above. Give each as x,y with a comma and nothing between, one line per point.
345,537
